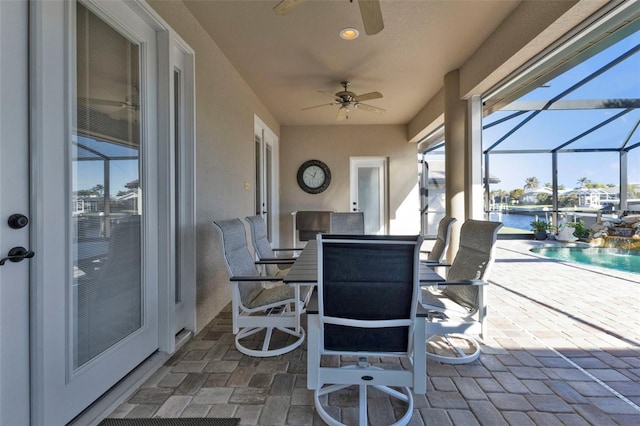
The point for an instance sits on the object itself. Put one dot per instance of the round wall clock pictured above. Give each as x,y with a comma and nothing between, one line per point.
314,176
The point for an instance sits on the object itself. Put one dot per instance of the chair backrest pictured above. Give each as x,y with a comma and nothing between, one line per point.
237,256
368,290
261,242
346,223
442,239
473,260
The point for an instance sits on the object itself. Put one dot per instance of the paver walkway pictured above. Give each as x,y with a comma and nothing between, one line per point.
564,349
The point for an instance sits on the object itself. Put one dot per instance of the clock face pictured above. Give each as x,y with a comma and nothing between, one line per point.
314,176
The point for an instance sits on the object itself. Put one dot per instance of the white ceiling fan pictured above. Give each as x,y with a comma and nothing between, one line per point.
347,99
130,105
369,9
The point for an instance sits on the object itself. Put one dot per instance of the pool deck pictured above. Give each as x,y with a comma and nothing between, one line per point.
563,349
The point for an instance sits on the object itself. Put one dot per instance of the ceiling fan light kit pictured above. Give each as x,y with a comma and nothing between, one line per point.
346,99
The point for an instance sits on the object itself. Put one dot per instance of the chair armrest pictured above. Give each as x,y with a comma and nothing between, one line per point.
434,263
463,282
275,261
422,312
255,278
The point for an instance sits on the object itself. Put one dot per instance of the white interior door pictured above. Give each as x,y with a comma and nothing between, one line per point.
266,145
94,184
14,199
368,179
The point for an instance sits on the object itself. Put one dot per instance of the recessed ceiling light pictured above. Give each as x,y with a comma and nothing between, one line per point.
349,34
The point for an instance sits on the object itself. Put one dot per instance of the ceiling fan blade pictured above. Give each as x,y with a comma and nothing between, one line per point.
368,96
371,16
332,95
122,113
370,108
343,113
285,7
316,106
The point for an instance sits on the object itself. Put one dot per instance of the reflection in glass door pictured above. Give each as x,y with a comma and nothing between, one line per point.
106,190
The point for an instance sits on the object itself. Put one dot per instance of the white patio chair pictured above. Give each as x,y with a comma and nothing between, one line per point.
367,302
274,264
257,305
458,312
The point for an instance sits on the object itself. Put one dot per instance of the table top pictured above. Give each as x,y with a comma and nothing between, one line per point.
305,268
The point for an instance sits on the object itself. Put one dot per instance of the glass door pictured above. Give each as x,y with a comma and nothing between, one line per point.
95,150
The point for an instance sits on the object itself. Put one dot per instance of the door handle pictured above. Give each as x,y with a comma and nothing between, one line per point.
17,254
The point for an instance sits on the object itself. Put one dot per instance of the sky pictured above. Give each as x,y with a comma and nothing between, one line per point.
550,129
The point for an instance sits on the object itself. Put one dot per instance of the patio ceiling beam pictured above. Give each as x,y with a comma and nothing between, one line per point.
572,104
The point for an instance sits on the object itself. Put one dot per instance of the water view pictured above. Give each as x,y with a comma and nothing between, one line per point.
617,259
517,221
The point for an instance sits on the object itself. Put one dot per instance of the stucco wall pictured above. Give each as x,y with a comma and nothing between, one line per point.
225,108
335,145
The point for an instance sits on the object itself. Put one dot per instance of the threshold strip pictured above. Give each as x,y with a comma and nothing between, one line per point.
573,364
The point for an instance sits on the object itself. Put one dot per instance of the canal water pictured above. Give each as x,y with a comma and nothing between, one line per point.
518,221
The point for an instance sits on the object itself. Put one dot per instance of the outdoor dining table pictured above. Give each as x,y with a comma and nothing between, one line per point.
304,272
305,269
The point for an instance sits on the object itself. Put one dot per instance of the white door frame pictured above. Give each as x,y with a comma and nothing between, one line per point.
14,198
180,179
381,163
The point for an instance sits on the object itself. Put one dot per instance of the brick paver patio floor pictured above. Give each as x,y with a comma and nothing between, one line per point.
563,349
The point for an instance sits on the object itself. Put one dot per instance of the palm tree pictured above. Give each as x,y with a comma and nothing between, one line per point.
583,181
502,194
531,183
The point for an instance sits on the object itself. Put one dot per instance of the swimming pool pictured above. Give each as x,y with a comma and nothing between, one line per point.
621,260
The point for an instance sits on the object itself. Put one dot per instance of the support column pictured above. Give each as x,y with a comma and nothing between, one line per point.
474,200
455,113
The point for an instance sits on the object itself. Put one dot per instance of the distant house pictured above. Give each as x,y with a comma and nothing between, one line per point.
597,197
531,195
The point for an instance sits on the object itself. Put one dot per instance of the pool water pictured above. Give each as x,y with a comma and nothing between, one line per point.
621,260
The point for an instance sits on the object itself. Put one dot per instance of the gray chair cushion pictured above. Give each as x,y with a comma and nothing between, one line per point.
442,239
472,262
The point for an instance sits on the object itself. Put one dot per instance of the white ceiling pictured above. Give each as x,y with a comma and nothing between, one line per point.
287,59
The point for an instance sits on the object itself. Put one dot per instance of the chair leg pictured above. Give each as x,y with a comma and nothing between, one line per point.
265,351
444,348
403,395
280,318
